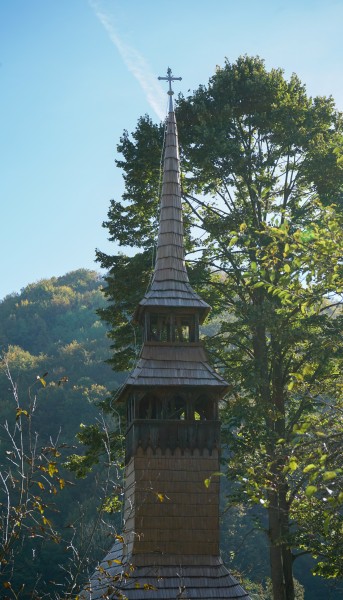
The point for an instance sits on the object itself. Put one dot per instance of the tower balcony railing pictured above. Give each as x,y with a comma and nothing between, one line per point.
171,434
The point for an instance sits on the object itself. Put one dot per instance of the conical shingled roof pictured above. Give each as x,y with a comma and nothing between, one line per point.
206,579
170,285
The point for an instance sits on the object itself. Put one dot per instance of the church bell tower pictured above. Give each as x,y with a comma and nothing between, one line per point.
171,517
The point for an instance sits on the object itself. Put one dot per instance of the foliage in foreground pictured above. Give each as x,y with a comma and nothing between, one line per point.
52,377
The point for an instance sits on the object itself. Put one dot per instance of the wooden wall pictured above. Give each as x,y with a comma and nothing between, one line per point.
168,508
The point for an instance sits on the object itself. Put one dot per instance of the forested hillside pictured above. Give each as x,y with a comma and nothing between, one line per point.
55,348
52,326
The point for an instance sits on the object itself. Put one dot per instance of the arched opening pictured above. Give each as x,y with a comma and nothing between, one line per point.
150,407
204,409
176,408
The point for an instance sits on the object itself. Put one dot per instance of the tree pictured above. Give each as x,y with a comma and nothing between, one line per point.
262,188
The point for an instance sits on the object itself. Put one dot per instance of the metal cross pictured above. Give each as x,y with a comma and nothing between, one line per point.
170,78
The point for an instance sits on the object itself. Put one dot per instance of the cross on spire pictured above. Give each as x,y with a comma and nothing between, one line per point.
170,78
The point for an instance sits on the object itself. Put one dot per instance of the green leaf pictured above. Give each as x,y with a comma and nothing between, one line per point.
293,464
233,241
309,468
52,468
207,481
310,490
19,412
328,475
326,524
303,308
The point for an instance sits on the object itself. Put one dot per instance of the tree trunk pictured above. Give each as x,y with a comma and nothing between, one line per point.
275,549
287,559
272,394
281,563
281,529
287,563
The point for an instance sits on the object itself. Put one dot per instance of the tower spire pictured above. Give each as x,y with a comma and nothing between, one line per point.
170,285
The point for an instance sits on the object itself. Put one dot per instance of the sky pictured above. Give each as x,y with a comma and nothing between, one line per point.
75,73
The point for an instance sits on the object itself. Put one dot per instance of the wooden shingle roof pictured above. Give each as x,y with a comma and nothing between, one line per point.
170,285
175,364
206,579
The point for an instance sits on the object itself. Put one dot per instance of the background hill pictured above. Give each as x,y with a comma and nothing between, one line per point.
52,326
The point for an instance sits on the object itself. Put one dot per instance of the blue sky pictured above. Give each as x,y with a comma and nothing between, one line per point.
75,73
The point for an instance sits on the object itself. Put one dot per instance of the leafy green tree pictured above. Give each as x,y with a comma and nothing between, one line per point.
262,188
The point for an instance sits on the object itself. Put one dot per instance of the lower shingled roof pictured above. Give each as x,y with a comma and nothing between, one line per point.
174,364
206,579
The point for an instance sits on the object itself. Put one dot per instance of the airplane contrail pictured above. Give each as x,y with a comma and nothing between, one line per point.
135,63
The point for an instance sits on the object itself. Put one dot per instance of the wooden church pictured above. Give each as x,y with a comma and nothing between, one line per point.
170,547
